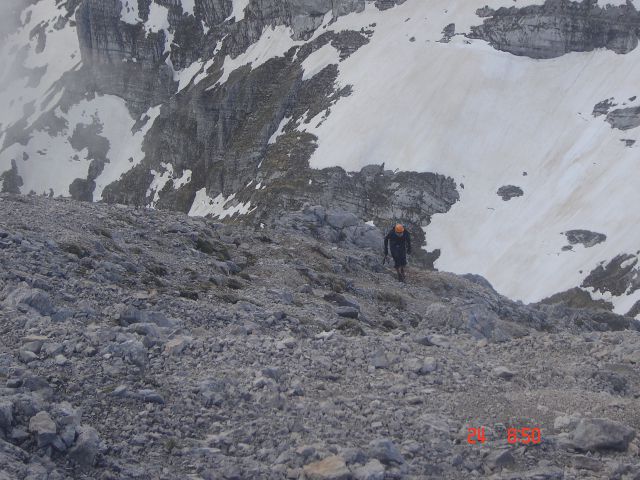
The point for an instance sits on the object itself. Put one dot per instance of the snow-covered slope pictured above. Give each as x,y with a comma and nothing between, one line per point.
192,104
489,119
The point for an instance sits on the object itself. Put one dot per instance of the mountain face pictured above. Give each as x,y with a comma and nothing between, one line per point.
496,130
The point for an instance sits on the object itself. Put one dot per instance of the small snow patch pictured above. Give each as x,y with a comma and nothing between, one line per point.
129,12
158,18
239,7
204,206
184,76
279,131
274,42
188,6
160,180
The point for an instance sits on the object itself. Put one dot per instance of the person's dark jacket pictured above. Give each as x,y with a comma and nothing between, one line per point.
400,244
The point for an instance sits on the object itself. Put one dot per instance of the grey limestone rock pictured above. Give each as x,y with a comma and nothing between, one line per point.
503,372
348,312
508,192
386,451
558,27
379,359
372,470
585,237
331,468
86,448
132,351
603,107
500,459
624,118
44,428
35,298
602,434
264,387
616,276
6,414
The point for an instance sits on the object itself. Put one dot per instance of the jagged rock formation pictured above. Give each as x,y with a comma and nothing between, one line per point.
586,238
507,192
560,26
218,132
618,276
145,344
624,118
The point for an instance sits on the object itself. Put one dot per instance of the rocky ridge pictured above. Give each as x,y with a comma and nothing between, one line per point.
137,343
558,27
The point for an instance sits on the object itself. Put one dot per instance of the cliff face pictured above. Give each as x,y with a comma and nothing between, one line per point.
221,132
122,59
560,26
391,110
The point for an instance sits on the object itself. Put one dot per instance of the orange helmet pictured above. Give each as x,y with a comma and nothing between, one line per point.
399,228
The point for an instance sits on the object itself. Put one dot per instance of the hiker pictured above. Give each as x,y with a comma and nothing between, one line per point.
400,241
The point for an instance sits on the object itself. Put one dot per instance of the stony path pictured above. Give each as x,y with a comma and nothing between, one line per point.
150,345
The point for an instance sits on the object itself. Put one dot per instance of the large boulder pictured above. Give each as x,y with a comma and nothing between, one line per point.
132,315
365,236
6,414
132,351
331,468
34,298
386,451
341,219
43,426
373,470
595,434
86,448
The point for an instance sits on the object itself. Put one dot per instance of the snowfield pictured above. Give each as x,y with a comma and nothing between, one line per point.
489,119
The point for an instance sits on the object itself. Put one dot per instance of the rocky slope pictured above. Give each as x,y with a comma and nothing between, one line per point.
392,110
144,344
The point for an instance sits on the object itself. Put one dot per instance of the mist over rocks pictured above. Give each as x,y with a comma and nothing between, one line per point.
174,367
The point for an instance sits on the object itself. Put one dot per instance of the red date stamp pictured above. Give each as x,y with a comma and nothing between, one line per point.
524,435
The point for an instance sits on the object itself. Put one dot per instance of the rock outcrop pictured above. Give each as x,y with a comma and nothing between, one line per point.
558,27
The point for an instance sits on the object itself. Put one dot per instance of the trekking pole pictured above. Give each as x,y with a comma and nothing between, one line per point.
384,260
